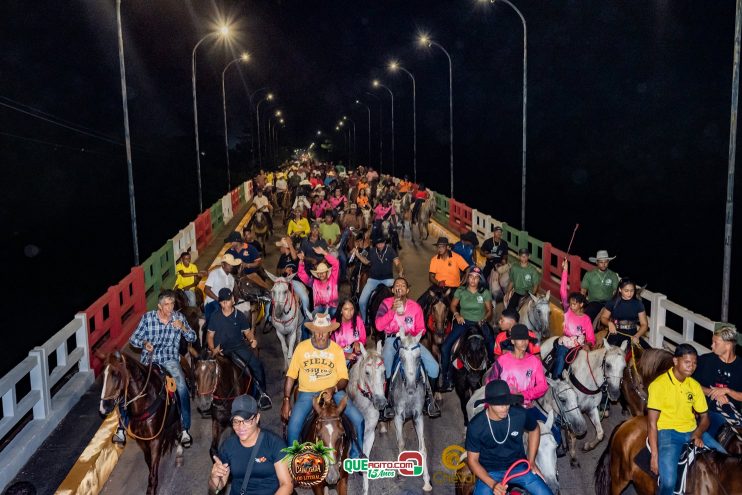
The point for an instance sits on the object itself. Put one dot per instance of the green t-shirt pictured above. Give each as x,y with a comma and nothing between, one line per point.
471,304
524,279
601,286
329,232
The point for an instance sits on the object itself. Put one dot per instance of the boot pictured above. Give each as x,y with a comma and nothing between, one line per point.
431,406
388,413
447,385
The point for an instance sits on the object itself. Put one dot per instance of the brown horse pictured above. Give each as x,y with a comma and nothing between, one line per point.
437,319
712,473
328,425
260,227
218,382
650,364
154,419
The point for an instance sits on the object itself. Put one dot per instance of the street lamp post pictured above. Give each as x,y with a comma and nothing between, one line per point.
525,101
378,84
358,102
426,41
393,67
268,97
270,150
127,137
242,58
354,136
252,124
381,129
223,31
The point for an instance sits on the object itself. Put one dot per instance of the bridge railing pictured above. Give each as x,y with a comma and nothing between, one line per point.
185,240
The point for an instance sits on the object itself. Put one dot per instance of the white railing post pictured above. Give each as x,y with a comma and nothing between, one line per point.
40,381
9,402
689,330
658,321
81,338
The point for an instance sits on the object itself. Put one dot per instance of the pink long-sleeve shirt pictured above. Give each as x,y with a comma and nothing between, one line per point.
345,336
335,201
319,208
380,211
524,376
325,291
412,319
578,329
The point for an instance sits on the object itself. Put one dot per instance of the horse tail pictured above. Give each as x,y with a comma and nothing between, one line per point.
603,471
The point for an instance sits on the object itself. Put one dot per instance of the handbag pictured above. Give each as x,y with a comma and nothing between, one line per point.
251,462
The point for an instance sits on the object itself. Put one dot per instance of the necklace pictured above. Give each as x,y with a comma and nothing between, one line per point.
489,423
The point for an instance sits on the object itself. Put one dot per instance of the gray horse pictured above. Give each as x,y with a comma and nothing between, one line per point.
535,314
498,281
561,399
408,393
427,208
285,315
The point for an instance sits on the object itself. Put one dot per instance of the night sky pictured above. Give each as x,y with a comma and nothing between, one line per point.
628,126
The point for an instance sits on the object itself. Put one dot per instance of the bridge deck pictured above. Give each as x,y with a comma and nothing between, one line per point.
130,473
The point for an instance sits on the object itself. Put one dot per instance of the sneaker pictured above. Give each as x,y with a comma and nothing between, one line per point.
264,402
185,439
119,437
432,409
446,387
561,450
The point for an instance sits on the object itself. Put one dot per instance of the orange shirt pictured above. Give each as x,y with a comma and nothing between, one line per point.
448,270
404,186
362,201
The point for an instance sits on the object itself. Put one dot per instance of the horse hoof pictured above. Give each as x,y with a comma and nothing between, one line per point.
588,447
427,487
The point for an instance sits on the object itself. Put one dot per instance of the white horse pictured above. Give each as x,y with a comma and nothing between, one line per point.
535,314
427,208
561,399
408,393
589,373
285,315
498,281
366,390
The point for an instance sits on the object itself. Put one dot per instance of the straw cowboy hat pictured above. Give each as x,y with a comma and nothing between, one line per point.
322,323
602,255
305,182
322,267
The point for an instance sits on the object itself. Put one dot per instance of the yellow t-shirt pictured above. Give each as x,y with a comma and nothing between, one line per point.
448,270
301,227
317,369
676,402
182,282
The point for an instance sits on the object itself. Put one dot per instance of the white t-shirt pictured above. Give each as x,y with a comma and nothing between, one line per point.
260,202
218,280
281,184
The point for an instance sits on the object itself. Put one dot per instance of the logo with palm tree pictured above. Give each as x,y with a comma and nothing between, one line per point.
308,462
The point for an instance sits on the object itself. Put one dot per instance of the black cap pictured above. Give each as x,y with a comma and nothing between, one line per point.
233,237
470,237
497,227
524,251
441,240
519,332
512,314
497,393
244,406
225,294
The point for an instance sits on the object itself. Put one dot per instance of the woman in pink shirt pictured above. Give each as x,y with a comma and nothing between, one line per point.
351,334
323,281
400,312
578,328
337,201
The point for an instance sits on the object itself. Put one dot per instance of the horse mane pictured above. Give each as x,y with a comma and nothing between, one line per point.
653,363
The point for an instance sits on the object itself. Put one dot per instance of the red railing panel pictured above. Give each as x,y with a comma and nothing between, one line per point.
203,229
552,269
235,200
459,216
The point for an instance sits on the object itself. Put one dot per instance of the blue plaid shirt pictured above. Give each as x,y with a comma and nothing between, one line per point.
163,336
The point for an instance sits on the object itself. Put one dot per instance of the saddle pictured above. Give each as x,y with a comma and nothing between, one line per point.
687,456
549,361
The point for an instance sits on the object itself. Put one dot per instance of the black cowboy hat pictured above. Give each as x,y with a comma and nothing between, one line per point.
470,237
441,240
233,237
497,393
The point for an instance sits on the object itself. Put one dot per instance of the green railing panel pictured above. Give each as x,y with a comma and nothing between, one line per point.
241,189
442,206
159,273
217,215
537,250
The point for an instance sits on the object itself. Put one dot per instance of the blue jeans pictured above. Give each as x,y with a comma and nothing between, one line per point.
538,415
317,310
457,331
529,482
190,296
670,445
389,354
560,355
303,406
184,399
342,256
371,284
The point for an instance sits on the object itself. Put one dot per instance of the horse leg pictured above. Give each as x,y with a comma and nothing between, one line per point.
285,349
342,486
572,441
594,415
369,432
154,466
419,427
215,432
398,425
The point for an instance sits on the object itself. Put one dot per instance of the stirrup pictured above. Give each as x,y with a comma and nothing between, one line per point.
185,439
388,413
119,437
264,402
432,409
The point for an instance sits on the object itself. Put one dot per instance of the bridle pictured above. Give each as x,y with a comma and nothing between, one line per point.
537,321
289,304
483,365
600,386
562,416
366,390
117,397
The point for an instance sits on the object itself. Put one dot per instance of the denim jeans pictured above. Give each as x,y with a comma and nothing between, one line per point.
317,310
389,354
560,355
243,355
457,331
670,445
538,415
371,284
303,406
716,419
529,482
190,297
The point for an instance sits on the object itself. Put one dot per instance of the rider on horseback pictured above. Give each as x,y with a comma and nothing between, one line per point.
475,302
219,278
495,250
444,271
351,335
466,245
524,279
395,312
158,334
298,225
625,316
288,264
262,203
508,319
599,285
188,277
229,334
319,365
381,260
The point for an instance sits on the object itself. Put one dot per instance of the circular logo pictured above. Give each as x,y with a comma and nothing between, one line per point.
451,457
308,467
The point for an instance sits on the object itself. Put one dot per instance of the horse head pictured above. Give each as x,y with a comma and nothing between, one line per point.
546,457
281,293
563,400
439,309
207,373
115,381
372,380
614,362
539,313
409,358
473,353
329,428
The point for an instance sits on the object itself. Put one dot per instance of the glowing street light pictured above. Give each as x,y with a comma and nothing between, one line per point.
393,67
224,33
377,84
425,41
242,58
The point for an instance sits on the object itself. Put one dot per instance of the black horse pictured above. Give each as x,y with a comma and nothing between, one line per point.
470,362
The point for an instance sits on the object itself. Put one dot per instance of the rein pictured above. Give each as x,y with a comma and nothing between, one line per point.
292,305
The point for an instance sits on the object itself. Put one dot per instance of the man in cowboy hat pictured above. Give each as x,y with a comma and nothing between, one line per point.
494,442
382,259
229,334
599,285
318,365
446,266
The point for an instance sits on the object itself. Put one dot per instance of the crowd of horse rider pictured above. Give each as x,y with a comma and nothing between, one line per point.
344,227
